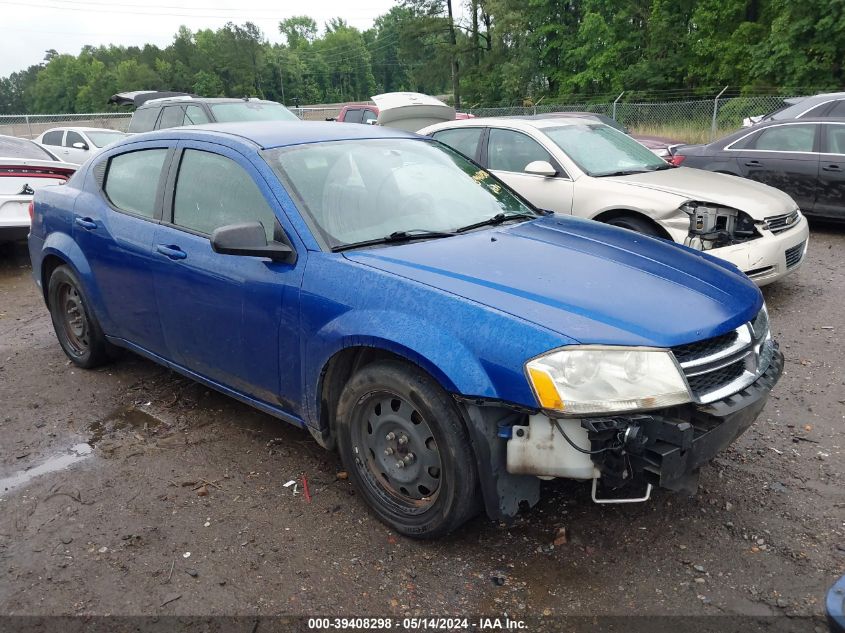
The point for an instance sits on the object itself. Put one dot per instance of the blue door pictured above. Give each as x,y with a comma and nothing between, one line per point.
114,223
232,319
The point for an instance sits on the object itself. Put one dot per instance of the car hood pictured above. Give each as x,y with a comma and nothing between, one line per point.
756,199
588,281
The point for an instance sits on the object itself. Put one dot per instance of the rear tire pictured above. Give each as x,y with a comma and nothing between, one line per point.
76,327
389,413
633,223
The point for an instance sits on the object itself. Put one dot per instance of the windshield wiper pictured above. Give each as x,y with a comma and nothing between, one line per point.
623,172
662,167
396,236
497,219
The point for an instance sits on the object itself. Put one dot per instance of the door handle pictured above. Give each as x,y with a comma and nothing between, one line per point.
833,167
86,223
173,252
752,163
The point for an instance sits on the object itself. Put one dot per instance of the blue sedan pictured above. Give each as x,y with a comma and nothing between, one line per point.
454,344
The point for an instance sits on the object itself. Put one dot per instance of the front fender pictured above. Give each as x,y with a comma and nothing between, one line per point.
445,357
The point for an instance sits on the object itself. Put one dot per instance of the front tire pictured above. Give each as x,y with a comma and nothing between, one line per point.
392,413
77,329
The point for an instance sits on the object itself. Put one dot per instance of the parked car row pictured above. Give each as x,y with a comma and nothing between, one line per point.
577,166
404,304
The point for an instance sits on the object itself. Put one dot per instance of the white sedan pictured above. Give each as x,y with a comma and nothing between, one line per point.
585,168
24,168
78,144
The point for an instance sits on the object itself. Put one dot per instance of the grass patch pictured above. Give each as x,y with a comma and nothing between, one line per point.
685,133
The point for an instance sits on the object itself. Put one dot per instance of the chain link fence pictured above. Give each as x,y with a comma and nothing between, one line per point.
689,121
32,125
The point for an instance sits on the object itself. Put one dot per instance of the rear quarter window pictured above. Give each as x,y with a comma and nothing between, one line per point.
132,179
143,120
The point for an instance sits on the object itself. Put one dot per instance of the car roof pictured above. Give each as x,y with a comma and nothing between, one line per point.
773,122
512,123
79,128
271,134
187,99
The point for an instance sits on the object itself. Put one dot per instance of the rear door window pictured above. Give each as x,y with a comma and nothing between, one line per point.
53,138
785,138
463,140
171,116
132,180
195,115
214,191
143,120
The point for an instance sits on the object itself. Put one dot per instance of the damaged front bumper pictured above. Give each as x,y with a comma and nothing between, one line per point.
664,448
670,447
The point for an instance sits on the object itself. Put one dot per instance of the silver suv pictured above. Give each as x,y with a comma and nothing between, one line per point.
159,114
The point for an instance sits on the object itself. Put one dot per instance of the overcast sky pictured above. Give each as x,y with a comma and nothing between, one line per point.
31,27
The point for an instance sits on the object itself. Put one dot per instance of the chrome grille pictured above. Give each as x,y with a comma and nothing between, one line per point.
781,223
723,365
794,254
709,381
701,349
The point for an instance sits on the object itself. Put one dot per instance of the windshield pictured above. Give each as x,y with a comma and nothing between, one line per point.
600,150
359,190
101,139
251,111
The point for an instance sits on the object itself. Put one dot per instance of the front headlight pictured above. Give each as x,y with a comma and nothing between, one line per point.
583,380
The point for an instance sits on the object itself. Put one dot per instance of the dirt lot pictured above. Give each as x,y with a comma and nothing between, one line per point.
131,490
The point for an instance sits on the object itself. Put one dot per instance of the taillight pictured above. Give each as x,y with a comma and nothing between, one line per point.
677,159
31,211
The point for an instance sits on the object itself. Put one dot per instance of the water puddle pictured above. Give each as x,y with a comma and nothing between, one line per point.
76,453
122,419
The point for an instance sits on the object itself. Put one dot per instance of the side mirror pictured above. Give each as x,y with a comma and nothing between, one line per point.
79,145
540,168
248,239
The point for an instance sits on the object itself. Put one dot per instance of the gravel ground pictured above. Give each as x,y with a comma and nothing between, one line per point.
130,490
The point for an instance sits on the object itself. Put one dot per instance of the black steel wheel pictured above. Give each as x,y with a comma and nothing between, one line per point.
76,328
407,450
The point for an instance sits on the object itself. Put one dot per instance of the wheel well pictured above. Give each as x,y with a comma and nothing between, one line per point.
334,377
606,216
48,265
